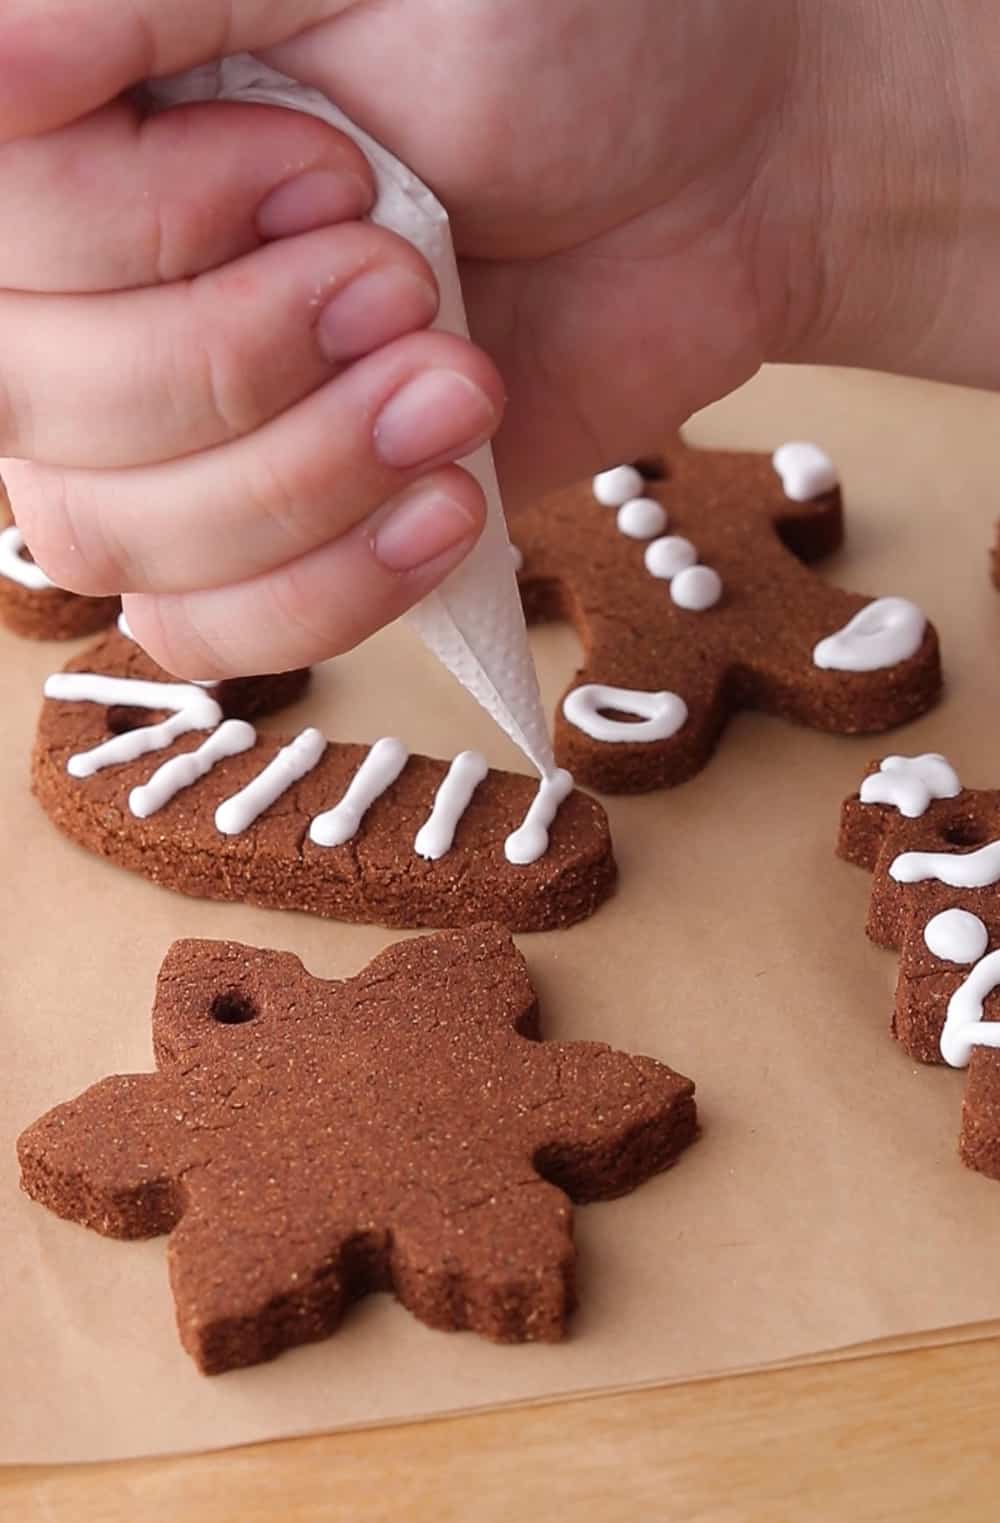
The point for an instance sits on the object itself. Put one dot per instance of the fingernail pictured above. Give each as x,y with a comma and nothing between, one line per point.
438,415
424,525
372,309
311,200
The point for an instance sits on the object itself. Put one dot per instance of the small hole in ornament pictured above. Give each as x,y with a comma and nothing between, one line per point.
652,467
966,833
619,716
122,718
232,1008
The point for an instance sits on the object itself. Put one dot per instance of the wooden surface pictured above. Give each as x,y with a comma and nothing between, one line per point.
907,1436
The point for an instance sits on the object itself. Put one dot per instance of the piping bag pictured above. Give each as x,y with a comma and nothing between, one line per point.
473,623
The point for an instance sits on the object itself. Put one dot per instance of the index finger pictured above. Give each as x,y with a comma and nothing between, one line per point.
60,59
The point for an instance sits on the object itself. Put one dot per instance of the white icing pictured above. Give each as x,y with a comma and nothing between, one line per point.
236,814
125,628
956,936
232,737
909,783
641,518
667,557
379,770
192,710
696,588
660,715
964,1027
16,567
615,487
531,840
973,869
452,799
806,471
887,631
517,557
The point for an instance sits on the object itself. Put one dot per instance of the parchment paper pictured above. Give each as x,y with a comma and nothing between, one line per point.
824,1206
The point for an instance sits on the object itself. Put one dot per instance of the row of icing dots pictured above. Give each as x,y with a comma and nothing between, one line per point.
193,710
15,565
671,558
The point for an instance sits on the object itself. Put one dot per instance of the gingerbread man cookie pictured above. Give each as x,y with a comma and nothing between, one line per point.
171,780
30,604
934,849
692,599
305,1142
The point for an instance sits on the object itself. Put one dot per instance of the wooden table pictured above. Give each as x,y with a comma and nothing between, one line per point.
909,1437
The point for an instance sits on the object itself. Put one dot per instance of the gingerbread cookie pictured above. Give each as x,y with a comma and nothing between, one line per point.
934,849
691,598
305,1142
170,780
33,606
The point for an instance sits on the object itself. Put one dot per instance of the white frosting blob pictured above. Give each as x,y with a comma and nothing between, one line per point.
667,557
956,936
236,814
696,588
660,715
964,1027
435,836
379,770
232,737
884,633
972,869
909,783
615,487
641,518
531,840
806,471
16,567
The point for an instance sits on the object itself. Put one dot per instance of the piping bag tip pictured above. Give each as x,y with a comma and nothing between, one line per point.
474,622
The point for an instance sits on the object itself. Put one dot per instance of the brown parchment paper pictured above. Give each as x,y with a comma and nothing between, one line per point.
824,1206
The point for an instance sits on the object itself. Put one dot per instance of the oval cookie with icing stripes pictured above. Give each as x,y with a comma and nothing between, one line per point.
720,610
172,781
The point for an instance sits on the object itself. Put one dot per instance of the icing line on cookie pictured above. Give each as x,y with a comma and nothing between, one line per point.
379,770
909,783
15,567
236,814
956,936
192,710
883,633
972,869
531,840
231,738
806,471
964,1027
452,799
660,715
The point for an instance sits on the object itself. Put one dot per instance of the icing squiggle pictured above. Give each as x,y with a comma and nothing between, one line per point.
232,737
236,814
531,840
964,1027
192,710
885,632
972,869
16,567
910,782
379,770
435,836
660,715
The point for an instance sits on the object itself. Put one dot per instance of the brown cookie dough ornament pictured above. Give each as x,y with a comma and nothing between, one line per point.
934,849
171,780
31,605
305,1142
692,598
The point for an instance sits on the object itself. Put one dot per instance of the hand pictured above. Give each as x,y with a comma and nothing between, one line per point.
650,200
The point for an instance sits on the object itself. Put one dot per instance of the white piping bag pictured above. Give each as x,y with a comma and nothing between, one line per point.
473,623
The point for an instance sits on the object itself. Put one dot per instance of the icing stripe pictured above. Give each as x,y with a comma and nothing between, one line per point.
379,770
232,737
236,814
193,710
971,869
435,836
16,567
964,1027
531,840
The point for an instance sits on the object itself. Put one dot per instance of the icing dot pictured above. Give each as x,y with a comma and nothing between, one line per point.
666,557
696,588
615,487
659,715
806,471
956,936
641,518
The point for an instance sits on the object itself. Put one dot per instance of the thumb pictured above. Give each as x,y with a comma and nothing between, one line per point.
60,59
